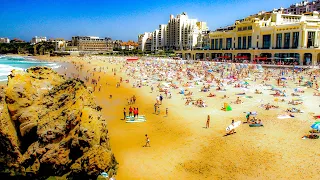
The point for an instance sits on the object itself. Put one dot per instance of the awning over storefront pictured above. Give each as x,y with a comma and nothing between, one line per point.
260,58
241,57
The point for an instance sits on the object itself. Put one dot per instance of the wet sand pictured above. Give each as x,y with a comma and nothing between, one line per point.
181,148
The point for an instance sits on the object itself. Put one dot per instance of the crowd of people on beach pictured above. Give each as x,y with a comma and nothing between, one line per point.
211,78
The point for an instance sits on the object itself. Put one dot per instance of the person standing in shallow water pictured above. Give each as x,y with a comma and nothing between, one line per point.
208,122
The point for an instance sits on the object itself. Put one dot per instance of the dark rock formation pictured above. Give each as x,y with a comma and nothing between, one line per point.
50,126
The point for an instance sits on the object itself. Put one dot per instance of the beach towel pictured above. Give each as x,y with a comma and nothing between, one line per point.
255,125
284,117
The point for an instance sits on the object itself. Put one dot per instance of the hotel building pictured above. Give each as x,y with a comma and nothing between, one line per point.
266,36
37,39
181,33
143,40
4,40
303,7
89,43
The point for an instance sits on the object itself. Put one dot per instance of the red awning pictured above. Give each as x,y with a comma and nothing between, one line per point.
132,59
224,57
261,58
241,57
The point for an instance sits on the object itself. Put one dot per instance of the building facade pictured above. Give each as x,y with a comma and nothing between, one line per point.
273,36
59,44
162,36
142,41
155,40
4,40
180,33
37,39
129,46
303,7
89,43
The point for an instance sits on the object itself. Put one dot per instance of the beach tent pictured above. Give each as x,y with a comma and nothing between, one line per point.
316,126
227,107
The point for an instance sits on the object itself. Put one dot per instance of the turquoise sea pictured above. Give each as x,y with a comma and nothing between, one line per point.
8,63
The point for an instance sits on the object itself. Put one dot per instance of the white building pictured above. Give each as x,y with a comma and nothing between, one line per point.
37,39
162,36
142,39
59,44
155,40
4,40
180,33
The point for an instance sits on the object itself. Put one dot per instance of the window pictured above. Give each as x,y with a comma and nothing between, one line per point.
220,43
216,45
239,42
249,27
240,29
286,40
258,37
279,41
249,41
244,42
311,38
295,42
212,43
229,43
266,41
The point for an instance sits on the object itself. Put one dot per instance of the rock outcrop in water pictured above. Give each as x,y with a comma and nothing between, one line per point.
50,126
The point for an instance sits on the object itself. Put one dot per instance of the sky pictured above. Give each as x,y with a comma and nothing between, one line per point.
122,20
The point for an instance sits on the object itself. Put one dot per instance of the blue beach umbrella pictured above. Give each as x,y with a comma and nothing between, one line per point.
316,126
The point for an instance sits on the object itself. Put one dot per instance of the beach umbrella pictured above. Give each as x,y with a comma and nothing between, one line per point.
316,126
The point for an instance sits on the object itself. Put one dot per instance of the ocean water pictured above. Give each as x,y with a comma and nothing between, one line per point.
8,63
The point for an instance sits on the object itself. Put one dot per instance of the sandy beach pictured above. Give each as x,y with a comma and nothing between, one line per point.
181,146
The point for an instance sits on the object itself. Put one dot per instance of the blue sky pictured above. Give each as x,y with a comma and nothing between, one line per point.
115,18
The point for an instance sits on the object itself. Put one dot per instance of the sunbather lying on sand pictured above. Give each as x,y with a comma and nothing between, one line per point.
316,93
294,102
255,121
225,97
269,106
314,131
188,94
238,101
257,92
293,110
294,94
211,95
310,136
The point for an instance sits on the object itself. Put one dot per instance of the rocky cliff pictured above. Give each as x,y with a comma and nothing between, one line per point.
50,126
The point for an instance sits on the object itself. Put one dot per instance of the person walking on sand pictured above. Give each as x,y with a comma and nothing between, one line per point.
147,141
130,111
167,112
161,98
155,108
208,122
137,112
134,112
124,114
